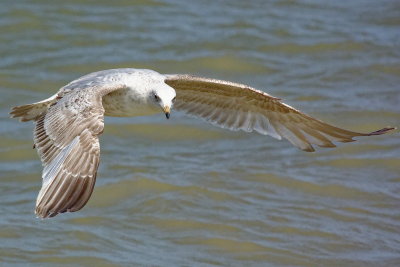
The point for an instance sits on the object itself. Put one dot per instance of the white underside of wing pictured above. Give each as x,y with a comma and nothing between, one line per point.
231,119
240,107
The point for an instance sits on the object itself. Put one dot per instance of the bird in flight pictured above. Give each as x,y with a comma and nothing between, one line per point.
67,124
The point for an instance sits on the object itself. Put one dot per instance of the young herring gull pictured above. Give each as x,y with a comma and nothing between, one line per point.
68,123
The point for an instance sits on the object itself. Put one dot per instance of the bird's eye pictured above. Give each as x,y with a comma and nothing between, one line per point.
157,98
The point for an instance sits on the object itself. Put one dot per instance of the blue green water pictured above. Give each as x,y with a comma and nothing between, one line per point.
181,192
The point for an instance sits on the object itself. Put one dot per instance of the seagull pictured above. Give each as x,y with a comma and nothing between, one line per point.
68,124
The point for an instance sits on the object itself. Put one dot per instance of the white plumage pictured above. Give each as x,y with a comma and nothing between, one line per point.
68,123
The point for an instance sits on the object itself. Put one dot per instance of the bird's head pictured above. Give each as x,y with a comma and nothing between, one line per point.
164,98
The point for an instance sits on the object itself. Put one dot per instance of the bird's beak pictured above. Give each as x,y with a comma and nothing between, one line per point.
167,111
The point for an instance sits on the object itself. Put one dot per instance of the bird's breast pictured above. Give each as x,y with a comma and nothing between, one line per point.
122,103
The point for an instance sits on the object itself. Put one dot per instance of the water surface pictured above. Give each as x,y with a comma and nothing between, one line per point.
181,192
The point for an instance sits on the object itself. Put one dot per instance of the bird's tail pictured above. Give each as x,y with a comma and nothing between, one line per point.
32,111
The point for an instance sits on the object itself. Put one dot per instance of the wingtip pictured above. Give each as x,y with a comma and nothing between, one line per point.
309,148
40,213
382,131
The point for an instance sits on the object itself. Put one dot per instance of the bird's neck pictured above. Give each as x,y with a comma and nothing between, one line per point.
128,103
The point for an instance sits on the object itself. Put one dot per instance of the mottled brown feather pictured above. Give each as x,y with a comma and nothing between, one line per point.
66,138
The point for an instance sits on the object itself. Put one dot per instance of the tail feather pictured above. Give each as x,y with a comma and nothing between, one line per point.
32,111
28,112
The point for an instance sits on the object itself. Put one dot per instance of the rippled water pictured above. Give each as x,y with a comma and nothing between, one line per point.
182,193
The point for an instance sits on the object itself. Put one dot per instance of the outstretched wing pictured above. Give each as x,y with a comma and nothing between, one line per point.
66,138
240,107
